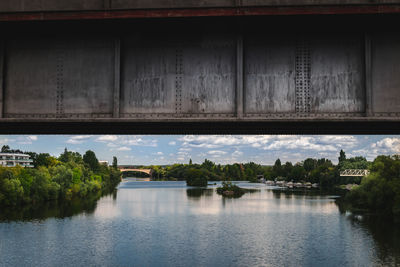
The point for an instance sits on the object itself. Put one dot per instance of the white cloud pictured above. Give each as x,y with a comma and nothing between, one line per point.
24,140
6,141
127,140
33,137
78,139
185,149
387,145
172,143
124,148
216,141
347,141
299,142
237,153
159,153
216,152
107,138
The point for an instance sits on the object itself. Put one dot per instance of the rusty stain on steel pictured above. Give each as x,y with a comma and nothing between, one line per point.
201,12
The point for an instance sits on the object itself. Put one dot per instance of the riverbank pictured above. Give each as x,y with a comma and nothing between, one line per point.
68,177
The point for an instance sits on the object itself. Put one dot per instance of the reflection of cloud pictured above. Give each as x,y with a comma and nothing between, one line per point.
154,202
106,208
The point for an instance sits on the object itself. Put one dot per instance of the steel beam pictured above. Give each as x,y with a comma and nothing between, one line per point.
2,76
200,12
368,76
239,76
117,78
120,126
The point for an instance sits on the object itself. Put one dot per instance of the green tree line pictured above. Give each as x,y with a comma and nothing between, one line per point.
64,178
379,192
321,171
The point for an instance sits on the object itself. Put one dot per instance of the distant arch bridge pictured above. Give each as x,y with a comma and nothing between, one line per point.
147,171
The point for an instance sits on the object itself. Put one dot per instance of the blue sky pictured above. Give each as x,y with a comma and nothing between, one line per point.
167,149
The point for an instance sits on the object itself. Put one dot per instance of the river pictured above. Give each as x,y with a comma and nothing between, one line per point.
169,224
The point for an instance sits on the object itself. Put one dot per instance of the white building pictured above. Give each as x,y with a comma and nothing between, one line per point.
13,159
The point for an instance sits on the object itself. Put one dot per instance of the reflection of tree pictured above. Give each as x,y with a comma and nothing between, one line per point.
386,236
53,209
197,193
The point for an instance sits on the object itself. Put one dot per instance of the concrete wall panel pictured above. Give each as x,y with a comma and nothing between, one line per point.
208,68
269,74
148,75
49,5
58,77
89,76
31,78
337,74
168,74
386,73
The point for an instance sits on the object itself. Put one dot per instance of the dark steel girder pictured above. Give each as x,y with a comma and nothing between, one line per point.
200,127
201,12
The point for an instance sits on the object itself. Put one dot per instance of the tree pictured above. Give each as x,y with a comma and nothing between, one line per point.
379,192
287,169
277,169
207,164
310,164
90,159
196,177
190,162
342,156
115,163
42,160
5,149
297,173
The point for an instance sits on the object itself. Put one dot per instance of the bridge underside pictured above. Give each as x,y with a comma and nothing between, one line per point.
202,75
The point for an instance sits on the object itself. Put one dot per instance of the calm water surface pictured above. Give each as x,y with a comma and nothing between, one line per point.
169,224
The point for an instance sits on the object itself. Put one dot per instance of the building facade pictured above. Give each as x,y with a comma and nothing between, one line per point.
14,159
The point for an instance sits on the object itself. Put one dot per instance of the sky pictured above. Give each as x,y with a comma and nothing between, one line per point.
222,149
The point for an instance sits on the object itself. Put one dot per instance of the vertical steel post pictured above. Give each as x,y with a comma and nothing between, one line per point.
107,4
368,76
239,76
117,77
2,77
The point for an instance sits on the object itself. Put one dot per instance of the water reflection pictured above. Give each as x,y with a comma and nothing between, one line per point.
386,237
47,210
197,193
169,224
